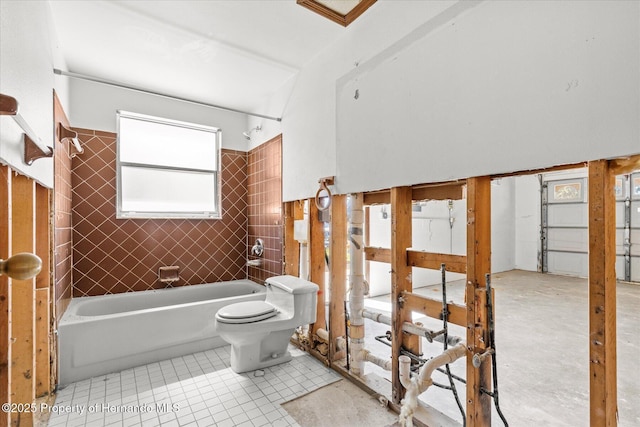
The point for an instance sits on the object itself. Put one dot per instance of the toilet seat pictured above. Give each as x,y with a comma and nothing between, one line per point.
246,312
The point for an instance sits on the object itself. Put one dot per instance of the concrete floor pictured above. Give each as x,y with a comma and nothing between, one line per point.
542,351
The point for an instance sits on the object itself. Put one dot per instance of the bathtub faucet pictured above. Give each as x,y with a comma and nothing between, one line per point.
258,248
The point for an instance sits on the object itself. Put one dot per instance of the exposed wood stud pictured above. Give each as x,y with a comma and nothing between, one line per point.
338,268
433,308
42,343
478,264
22,299
602,295
400,277
317,264
5,292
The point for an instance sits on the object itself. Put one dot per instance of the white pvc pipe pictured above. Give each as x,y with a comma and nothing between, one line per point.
356,281
416,386
385,364
323,335
411,328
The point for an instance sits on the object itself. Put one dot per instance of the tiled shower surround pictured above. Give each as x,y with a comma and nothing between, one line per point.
264,181
115,255
62,215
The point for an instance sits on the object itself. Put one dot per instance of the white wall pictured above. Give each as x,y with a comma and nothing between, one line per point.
308,103
527,222
477,89
94,106
28,54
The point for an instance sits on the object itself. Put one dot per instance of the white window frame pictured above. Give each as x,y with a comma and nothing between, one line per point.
128,214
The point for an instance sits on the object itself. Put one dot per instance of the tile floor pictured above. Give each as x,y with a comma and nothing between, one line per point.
195,390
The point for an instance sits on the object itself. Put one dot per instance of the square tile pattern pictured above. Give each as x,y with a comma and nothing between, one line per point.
196,390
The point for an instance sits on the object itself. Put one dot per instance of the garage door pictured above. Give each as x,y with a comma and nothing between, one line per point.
565,234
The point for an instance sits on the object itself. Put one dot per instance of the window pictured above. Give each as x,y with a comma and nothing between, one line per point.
166,168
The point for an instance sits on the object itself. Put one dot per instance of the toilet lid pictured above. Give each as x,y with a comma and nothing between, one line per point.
248,311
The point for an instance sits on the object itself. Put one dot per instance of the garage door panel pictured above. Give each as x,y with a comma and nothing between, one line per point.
568,239
635,242
568,215
635,269
568,263
620,273
635,213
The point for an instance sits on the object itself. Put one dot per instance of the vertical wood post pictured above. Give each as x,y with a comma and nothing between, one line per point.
22,299
43,283
602,295
478,264
400,277
338,268
5,293
317,264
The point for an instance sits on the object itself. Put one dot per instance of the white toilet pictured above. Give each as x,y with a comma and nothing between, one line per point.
259,331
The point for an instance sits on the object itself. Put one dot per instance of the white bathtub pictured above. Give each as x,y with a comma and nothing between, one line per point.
103,334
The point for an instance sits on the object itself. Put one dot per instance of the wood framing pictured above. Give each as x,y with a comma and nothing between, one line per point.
624,166
453,263
433,308
292,212
22,300
400,278
5,293
43,371
602,295
317,264
335,16
478,265
440,191
377,254
338,269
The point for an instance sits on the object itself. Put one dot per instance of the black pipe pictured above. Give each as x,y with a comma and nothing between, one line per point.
346,331
492,344
445,328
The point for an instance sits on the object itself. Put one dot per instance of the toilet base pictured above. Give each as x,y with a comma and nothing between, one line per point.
260,354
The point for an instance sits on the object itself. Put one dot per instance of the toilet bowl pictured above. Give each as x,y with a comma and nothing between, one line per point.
259,331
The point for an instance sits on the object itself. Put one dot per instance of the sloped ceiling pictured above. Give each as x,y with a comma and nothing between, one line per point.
229,53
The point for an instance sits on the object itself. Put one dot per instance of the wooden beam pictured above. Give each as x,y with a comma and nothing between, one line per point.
292,212
338,268
5,293
317,264
439,191
602,294
625,165
377,254
453,263
433,308
478,265
22,299
445,191
400,278
43,371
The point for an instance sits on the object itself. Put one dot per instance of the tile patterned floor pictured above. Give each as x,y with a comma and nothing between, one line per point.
194,390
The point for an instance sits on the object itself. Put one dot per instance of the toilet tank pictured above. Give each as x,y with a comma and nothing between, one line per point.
293,295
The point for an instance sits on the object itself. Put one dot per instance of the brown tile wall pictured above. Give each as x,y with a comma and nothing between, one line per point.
114,256
264,180
62,217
